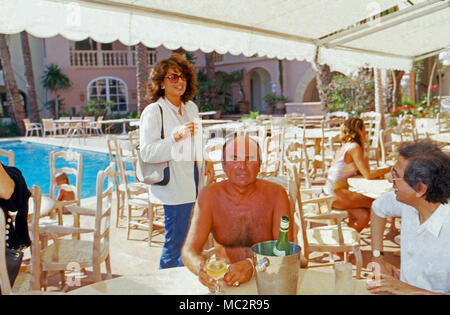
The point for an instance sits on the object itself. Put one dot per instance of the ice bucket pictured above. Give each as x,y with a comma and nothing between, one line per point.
276,275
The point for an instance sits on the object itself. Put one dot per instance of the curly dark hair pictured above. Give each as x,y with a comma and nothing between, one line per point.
429,165
160,70
349,130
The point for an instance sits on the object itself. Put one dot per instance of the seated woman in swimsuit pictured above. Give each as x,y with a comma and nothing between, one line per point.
349,161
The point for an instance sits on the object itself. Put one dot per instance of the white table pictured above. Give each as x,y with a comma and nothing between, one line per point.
123,121
373,188
443,138
180,281
75,126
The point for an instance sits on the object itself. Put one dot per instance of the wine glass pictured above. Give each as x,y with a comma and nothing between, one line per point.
216,269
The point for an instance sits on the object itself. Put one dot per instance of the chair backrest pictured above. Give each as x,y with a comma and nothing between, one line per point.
5,285
341,115
67,157
390,140
103,210
75,124
312,121
289,185
372,121
121,160
99,119
443,121
407,127
295,153
273,152
9,154
27,123
48,124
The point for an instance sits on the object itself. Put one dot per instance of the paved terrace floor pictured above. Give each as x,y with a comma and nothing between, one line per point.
135,257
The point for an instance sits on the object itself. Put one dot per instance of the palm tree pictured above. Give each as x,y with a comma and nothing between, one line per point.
32,99
323,78
141,76
54,80
211,77
12,92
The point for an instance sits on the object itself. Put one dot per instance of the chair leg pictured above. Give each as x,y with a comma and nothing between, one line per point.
129,222
97,272
358,257
150,214
108,267
118,207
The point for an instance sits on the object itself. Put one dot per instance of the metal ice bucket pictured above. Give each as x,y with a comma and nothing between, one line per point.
276,275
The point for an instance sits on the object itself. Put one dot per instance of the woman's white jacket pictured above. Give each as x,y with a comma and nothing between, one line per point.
181,187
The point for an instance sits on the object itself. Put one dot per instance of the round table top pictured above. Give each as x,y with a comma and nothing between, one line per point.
373,188
180,281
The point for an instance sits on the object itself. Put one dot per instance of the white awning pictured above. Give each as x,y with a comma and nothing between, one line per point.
288,29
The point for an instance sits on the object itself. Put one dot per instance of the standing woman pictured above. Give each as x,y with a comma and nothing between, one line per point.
172,85
349,161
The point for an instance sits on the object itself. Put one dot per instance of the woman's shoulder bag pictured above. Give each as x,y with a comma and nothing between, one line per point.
153,173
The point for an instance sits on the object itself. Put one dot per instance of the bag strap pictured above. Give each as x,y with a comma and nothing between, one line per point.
162,122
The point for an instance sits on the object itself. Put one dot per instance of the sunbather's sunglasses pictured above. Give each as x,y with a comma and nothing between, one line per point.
173,78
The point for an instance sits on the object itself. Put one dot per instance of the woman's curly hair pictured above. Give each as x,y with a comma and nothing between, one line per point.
160,70
349,131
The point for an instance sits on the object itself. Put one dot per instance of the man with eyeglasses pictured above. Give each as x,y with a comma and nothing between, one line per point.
421,181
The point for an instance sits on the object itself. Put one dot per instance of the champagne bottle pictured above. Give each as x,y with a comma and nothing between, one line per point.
282,246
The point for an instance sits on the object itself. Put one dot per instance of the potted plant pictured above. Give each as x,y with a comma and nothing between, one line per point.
280,106
270,99
238,77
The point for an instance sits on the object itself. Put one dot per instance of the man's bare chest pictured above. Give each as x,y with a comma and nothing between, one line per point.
242,225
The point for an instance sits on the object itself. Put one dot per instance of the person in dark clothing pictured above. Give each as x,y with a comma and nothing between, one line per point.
14,195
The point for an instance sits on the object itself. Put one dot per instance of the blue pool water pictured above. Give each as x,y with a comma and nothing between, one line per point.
33,161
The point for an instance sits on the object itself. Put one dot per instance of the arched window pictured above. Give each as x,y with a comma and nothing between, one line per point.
110,89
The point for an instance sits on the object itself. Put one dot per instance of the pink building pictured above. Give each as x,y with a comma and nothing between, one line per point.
109,71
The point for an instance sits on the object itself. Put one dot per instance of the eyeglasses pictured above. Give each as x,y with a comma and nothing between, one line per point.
394,175
173,78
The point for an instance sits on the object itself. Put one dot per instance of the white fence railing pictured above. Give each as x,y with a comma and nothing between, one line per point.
107,58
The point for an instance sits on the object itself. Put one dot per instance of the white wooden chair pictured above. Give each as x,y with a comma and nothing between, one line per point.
390,140
332,236
372,121
30,127
64,253
50,202
443,121
296,155
149,215
135,188
49,126
95,126
5,283
9,154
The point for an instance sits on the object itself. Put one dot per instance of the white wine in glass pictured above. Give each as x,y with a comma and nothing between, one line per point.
216,269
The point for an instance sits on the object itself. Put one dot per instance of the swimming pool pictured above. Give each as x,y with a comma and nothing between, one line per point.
33,161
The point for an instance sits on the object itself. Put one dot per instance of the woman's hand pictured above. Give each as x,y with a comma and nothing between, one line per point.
184,131
238,273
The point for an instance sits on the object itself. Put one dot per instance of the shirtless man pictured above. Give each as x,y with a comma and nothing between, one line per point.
240,212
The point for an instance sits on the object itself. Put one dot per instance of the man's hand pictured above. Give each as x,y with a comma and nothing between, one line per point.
390,285
386,268
207,280
239,272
